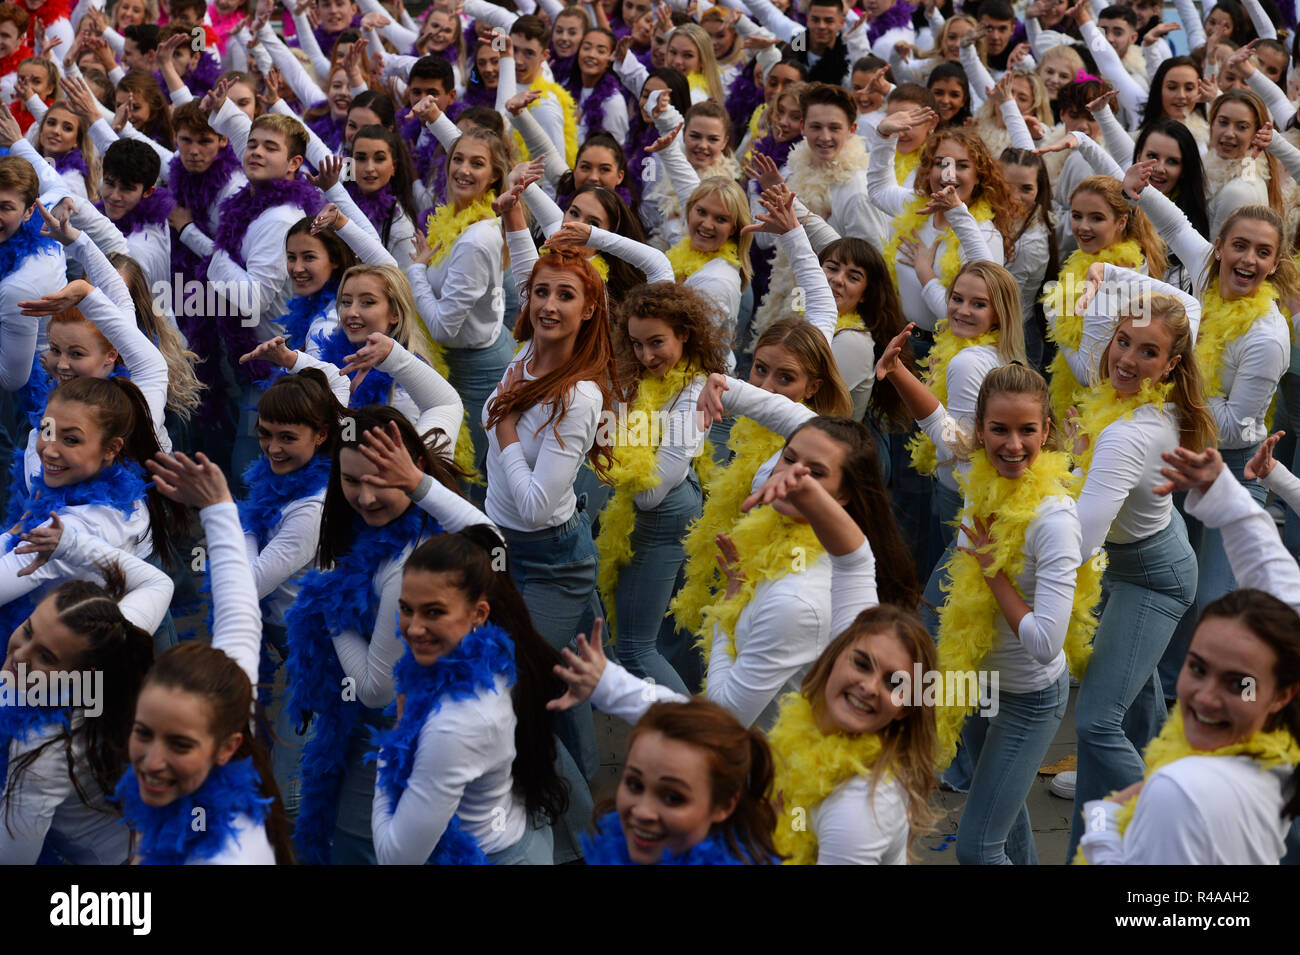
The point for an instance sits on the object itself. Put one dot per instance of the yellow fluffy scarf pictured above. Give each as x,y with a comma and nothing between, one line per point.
968,619
1223,323
1277,748
463,454
849,320
567,107
686,261
909,223
812,181
1064,327
726,489
809,766
905,164
696,81
447,225
1103,406
633,471
946,347
769,546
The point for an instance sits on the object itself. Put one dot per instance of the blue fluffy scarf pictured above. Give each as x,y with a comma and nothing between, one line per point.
120,486
305,309
329,603
468,671
375,388
22,722
608,846
168,835
270,493
153,209
26,241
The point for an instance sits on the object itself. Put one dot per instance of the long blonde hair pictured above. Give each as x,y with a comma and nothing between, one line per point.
1004,298
1286,278
708,64
1013,379
733,200
808,345
1261,116
84,143
409,330
1138,228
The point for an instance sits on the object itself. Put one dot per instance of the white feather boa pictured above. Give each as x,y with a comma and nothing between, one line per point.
812,182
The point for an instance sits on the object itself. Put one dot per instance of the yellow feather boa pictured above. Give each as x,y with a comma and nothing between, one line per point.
1277,748
1223,323
447,225
968,618
1103,406
696,81
567,107
463,454
809,766
769,545
849,320
910,221
725,490
946,347
633,471
686,261
905,164
1064,327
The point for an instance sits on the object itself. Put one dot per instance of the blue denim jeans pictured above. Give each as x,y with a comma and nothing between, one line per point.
535,848
1008,749
474,373
647,583
1214,578
353,841
287,743
945,506
1149,586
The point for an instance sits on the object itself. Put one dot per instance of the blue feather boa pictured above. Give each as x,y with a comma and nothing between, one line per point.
21,722
167,833
466,672
26,241
609,847
375,389
305,309
269,493
35,395
329,603
121,486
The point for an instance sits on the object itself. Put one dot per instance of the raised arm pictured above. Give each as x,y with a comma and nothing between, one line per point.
1131,94
237,619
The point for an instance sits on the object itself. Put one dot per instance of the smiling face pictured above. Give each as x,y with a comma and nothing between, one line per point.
961,162
339,94
709,223
778,78
558,306
654,343
787,124
1169,161
14,211
863,96
44,643
970,307
421,86
119,196
777,369
364,308
373,164
705,139
586,208
848,282
488,63
1055,74
378,506
1023,181
722,36
77,350
1226,660
434,614
335,15
1013,432
198,150
172,749
823,456
952,40
288,447
665,799
357,118
1248,254
308,263
859,690
469,173
1118,32
71,444
1221,21
594,56
1139,352
1022,91
528,59
650,86
438,32
599,165
266,157
128,13
1178,91
566,37
58,132
950,95
824,25
1094,223
10,37
682,55
1233,129
827,129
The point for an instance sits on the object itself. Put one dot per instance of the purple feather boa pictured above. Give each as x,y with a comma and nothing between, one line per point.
71,160
592,111
240,211
476,94
329,129
777,152
899,15
204,76
642,135
153,209
198,193
744,98
645,57
377,206
327,38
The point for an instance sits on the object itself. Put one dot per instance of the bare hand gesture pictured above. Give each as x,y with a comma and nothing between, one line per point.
275,351
571,235
377,348
328,218
1261,465
1190,470
42,541
327,175
194,481
581,670
890,361
394,466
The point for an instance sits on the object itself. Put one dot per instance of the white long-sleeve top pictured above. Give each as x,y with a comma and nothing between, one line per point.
370,663
1252,364
44,804
775,412
426,398
530,483
279,566
20,334
616,121
467,309
1033,658
1132,94
1120,288
1284,484
966,374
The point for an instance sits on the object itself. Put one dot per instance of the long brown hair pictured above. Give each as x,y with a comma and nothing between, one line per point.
908,745
592,359
810,348
1138,228
740,768
989,181
1260,114
1286,279
223,691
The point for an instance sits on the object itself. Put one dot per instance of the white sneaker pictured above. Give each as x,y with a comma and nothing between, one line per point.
1063,784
